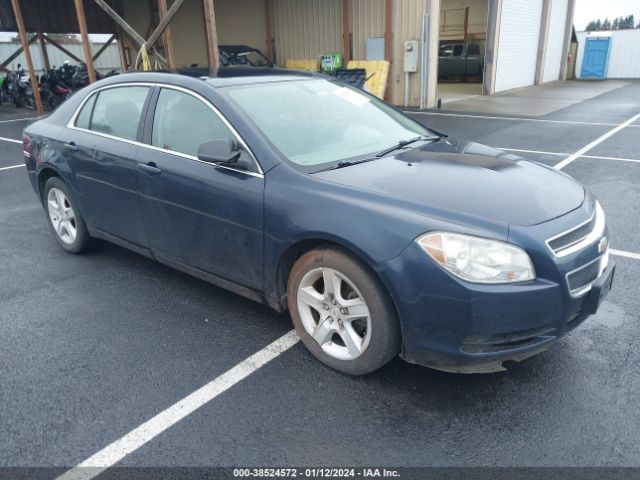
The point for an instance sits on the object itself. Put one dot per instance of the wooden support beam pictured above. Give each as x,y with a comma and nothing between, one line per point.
45,54
15,55
27,54
126,28
212,37
167,36
86,45
164,23
104,47
61,48
123,52
346,31
388,43
466,24
268,10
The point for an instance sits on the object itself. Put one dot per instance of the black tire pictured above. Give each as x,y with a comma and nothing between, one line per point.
83,241
385,336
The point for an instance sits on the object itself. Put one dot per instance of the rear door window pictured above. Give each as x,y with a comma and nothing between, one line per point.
474,49
457,50
117,111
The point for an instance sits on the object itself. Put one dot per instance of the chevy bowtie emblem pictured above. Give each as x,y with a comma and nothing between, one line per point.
603,244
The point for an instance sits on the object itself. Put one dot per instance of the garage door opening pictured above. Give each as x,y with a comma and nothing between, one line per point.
461,53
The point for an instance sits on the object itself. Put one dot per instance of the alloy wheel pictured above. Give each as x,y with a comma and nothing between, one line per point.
62,216
334,313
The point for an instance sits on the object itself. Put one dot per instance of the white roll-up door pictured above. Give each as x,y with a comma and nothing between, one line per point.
518,43
555,40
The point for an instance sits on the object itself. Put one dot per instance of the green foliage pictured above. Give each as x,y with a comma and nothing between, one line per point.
619,23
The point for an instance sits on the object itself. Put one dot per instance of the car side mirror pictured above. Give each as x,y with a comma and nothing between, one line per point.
219,151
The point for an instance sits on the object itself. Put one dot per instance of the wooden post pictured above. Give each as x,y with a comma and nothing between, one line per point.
466,24
346,31
86,46
27,54
167,36
388,44
212,37
45,54
122,49
268,9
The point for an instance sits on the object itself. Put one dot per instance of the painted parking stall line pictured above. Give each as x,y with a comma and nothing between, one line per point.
595,143
12,167
595,157
12,140
518,119
622,253
136,438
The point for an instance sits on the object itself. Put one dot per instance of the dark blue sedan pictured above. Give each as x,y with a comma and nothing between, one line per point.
378,235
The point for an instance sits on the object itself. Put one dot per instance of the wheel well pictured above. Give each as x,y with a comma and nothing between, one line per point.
43,176
297,250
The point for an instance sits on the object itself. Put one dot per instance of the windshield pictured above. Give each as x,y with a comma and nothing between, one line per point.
317,123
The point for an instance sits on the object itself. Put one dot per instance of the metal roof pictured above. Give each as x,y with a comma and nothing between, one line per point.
57,16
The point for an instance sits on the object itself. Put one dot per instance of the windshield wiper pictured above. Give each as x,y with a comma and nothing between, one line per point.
402,144
350,163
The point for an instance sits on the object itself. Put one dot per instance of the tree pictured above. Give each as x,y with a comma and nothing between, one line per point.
598,25
616,24
606,25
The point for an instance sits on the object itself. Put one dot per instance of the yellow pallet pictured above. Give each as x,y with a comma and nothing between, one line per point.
377,74
307,65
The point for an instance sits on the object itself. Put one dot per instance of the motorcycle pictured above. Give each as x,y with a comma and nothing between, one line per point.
20,90
52,90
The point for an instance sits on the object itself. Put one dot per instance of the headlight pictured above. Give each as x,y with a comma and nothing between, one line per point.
477,259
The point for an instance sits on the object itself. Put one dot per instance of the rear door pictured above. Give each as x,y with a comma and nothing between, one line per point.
197,213
102,144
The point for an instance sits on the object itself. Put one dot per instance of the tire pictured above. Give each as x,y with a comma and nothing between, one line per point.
356,331
64,217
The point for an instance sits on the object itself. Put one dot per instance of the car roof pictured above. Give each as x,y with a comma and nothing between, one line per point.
228,76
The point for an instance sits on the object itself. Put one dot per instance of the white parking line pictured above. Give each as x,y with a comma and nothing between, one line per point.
19,119
596,142
136,438
12,166
520,119
596,157
12,140
622,253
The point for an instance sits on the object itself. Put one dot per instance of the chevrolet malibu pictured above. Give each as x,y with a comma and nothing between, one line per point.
378,235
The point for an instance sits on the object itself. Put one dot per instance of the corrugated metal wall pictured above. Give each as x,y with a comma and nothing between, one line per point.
407,18
367,21
624,57
241,22
305,29
108,60
555,40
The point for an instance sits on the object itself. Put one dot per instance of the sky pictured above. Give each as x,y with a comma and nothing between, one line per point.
587,10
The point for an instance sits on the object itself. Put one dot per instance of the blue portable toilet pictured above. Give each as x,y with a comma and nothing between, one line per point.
596,56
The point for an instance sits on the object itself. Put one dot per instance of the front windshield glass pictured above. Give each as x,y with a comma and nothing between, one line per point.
317,123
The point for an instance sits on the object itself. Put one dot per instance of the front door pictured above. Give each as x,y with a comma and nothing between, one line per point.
197,213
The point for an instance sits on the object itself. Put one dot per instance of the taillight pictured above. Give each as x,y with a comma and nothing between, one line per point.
26,145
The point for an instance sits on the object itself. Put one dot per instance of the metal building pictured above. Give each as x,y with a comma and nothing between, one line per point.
520,42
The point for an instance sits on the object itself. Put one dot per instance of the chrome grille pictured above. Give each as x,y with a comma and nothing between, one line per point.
572,237
580,236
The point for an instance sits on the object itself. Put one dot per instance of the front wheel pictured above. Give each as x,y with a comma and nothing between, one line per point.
342,312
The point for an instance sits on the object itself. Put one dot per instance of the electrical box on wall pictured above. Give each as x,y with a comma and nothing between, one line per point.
411,54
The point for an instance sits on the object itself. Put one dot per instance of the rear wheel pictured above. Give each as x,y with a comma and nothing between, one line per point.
342,312
65,218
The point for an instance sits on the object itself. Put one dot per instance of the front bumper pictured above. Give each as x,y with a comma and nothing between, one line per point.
456,326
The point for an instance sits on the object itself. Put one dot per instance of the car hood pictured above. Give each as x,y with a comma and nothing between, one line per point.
466,178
